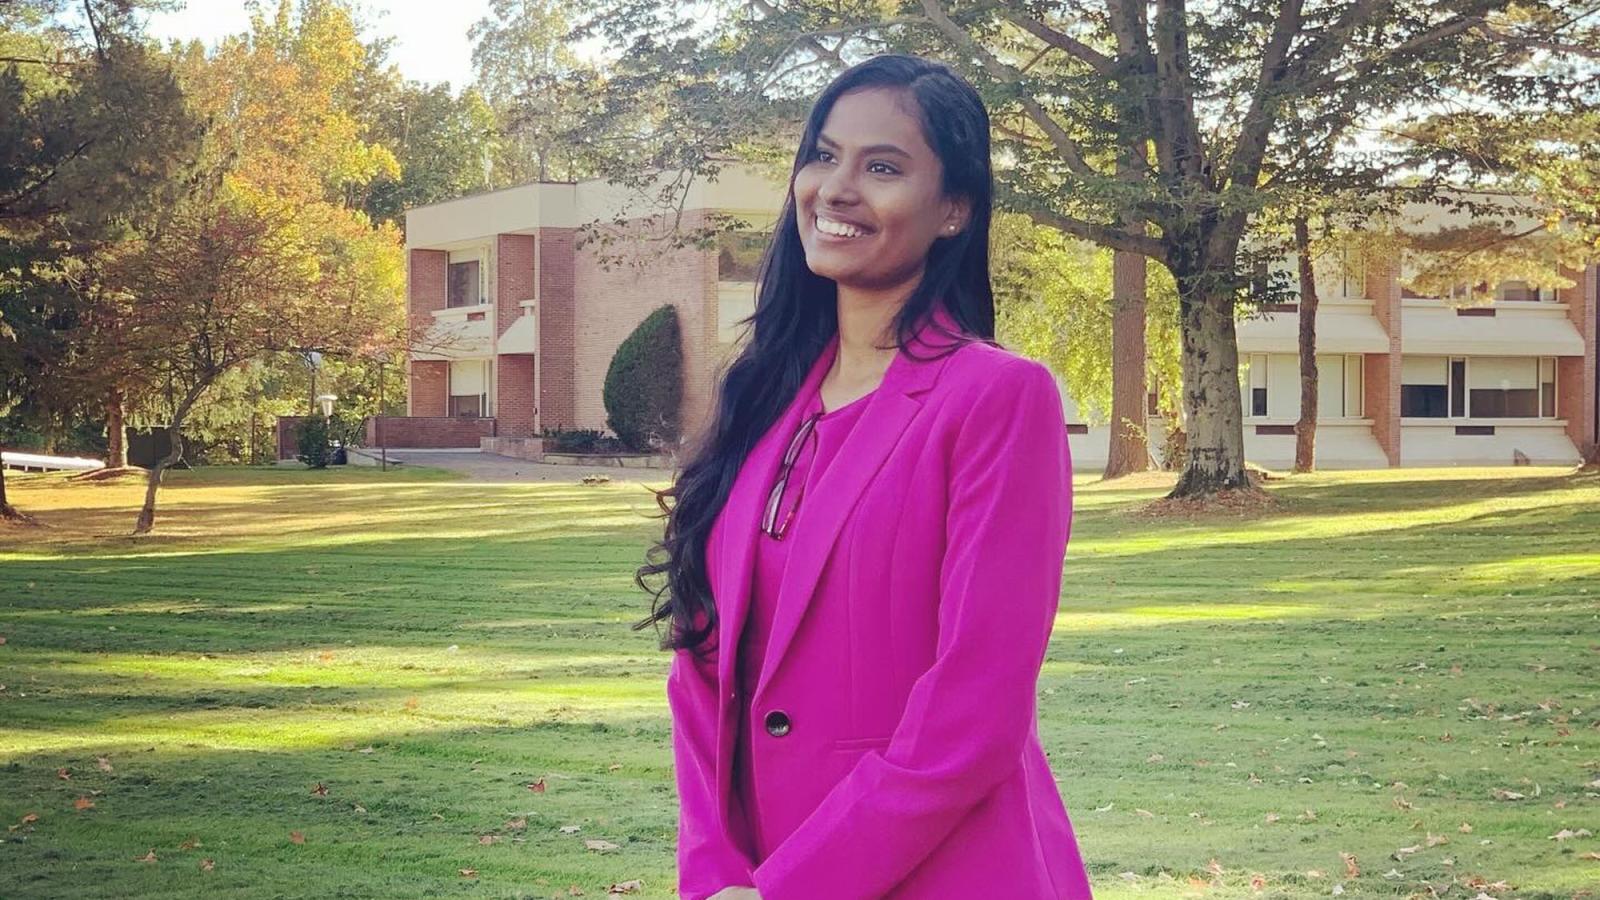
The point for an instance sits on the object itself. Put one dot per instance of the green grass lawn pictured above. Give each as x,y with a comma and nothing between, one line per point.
1403,666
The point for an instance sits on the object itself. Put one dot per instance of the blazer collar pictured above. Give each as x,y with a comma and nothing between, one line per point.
828,501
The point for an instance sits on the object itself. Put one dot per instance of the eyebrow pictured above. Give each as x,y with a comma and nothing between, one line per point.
875,148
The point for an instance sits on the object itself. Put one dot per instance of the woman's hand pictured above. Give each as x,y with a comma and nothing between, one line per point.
738,892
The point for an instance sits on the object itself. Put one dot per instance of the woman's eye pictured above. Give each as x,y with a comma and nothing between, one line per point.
821,155
887,169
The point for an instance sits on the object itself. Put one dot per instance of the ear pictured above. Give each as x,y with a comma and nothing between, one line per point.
956,220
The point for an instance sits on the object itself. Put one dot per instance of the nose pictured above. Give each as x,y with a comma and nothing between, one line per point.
838,188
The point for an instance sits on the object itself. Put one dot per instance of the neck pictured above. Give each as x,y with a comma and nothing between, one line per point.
865,314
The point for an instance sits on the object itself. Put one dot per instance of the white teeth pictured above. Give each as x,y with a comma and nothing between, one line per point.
838,229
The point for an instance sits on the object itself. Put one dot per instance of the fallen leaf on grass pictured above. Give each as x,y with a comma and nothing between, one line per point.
600,845
102,763
538,786
83,803
571,829
1435,840
207,865
1351,870
296,837
517,824
626,887
147,858
189,844
1567,834
1590,855
1258,882
411,703
321,790
469,873
1503,794
613,767
487,839
1465,828
63,774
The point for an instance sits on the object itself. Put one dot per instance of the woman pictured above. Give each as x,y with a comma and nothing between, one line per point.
875,530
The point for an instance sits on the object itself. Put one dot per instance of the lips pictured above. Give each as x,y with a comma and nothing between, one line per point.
838,227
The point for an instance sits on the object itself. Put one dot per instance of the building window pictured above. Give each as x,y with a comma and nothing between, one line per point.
1424,387
1258,384
1511,387
739,254
1340,273
469,388
1521,291
1547,387
466,285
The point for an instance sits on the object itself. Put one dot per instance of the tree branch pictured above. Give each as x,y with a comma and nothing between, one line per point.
1065,146
1080,51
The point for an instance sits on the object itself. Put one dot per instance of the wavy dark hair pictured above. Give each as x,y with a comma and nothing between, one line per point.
796,314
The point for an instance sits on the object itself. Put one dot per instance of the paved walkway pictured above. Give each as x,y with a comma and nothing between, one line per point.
490,467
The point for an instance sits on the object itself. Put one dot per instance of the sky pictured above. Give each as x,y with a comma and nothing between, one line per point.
430,36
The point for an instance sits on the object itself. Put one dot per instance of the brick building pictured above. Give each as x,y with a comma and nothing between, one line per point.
1412,380
525,323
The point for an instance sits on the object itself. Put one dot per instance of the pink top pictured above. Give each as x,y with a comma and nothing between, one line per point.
829,433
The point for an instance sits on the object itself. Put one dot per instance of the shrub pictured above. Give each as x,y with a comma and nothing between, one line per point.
644,384
579,440
312,440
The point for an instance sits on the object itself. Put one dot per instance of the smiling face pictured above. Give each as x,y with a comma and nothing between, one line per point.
870,200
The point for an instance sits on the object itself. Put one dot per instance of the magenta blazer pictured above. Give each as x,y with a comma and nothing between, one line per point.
900,753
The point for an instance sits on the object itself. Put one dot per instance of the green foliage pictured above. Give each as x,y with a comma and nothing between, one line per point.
314,441
580,440
543,97
1053,303
643,391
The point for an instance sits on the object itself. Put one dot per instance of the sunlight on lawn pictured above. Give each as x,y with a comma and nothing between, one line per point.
1387,652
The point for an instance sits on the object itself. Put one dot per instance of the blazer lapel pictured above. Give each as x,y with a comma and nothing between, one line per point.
816,528
829,501
741,519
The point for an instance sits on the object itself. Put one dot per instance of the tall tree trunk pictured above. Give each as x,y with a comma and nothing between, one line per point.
1215,427
116,435
147,513
1130,449
6,510
1305,430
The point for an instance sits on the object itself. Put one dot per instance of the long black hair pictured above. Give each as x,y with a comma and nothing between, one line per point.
796,314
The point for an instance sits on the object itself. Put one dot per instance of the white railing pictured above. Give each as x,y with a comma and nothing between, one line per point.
11,459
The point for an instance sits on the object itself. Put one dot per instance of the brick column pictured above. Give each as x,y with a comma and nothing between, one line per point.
427,380
513,277
429,386
1381,371
558,342
1575,375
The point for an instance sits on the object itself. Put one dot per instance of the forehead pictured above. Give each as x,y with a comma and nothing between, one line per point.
871,116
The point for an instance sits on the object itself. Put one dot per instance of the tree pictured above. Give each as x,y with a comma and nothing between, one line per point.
1055,301
96,137
443,143
537,88
1218,110
643,391
234,273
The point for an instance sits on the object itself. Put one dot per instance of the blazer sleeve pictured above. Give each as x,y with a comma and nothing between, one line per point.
969,715
708,861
